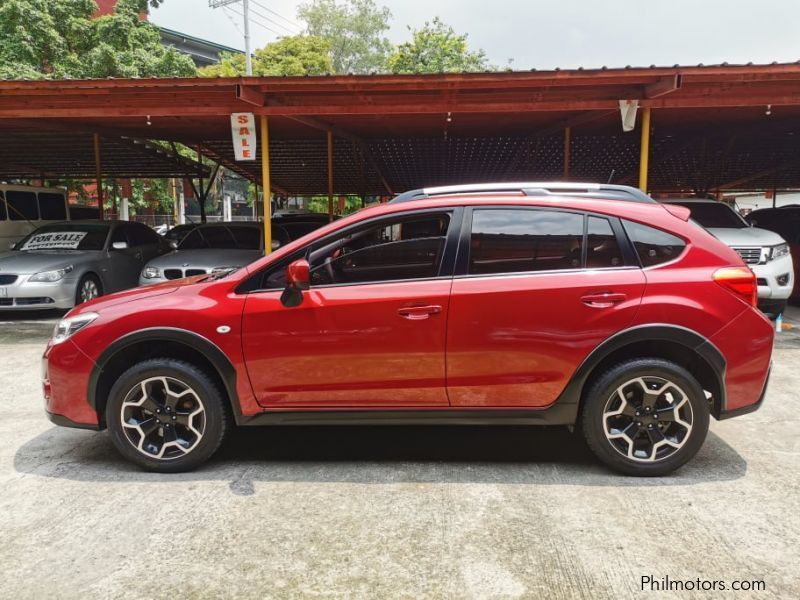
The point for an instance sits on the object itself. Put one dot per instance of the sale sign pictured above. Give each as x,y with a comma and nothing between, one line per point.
243,128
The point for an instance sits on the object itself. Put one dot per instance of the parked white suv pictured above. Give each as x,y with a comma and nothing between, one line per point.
765,252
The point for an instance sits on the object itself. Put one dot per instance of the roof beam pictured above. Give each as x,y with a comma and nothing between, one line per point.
758,175
322,126
664,86
250,95
237,168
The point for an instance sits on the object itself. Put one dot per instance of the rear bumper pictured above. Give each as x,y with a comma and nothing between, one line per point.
746,342
745,410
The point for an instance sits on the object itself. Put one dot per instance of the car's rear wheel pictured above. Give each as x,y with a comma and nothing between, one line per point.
89,288
645,417
166,415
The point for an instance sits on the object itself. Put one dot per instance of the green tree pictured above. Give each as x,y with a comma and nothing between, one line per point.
437,48
59,39
294,55
355,30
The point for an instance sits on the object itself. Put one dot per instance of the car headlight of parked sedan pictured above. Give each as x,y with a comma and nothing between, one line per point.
777,251
151,273
68,327
51,276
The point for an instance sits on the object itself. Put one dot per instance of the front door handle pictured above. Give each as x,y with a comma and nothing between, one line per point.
418,313
603,299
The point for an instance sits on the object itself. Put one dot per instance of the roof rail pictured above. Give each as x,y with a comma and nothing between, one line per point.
601,191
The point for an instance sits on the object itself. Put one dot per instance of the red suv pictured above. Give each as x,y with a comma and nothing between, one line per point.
548,304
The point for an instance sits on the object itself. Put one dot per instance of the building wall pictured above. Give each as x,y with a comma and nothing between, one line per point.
106,7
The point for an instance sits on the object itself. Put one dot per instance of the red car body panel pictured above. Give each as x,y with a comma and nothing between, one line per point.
351,345
515,341
493,342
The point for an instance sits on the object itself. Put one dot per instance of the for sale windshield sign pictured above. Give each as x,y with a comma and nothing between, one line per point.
63,240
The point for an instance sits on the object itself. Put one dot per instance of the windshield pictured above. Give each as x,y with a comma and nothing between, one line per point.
66,236
715,214
220,237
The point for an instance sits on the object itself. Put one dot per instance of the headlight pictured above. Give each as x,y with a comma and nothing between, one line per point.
151,273
66,328
218,272
51,276
774,252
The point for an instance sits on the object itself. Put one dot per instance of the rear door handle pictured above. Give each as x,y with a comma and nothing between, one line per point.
418,313
603,299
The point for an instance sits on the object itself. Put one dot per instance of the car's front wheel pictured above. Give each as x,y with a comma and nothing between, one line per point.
89,288
166,415
645,417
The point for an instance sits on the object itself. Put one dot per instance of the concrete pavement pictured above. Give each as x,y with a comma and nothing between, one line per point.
390,512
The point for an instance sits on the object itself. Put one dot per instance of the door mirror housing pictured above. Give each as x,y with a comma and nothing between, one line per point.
119,245
297,281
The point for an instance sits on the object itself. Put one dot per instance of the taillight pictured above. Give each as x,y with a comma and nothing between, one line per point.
739,280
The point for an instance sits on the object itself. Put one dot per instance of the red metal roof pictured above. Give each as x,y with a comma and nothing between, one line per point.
710,125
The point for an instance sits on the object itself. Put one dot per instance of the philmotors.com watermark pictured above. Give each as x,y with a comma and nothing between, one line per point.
651,583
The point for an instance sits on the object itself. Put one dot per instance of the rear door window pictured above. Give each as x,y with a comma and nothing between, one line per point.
653,246
3,213
521,240
22,206
141,235
602,246
52,207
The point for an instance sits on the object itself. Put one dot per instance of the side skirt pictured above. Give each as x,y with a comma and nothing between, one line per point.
558,414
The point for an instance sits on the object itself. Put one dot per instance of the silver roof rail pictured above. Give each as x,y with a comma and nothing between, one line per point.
534,188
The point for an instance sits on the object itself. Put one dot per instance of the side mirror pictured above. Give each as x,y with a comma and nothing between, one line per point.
120,245
297,280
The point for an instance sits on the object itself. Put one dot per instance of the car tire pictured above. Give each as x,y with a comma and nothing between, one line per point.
88,285
645,417
167,415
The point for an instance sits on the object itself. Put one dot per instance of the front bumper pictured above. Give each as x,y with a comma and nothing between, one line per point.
65,378
775,279
26,295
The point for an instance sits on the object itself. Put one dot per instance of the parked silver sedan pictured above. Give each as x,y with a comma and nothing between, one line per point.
207,249
63,264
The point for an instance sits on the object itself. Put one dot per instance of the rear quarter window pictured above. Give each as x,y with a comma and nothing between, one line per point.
653,246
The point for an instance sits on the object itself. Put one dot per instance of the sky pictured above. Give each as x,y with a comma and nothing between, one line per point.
545,34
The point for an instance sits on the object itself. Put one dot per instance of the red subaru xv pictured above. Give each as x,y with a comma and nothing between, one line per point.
546,304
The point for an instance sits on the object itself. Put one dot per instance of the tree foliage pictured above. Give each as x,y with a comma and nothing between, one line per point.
437,48
59,39
355,30
294,55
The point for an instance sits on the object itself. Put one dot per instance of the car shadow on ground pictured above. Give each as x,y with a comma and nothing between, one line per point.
378,455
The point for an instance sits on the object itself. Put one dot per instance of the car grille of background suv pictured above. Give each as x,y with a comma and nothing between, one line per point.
751,256
179,273
6,279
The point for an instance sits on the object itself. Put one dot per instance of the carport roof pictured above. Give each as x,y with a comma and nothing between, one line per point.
712,129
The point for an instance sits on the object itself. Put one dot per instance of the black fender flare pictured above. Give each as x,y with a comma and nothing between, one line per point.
692,340
196,342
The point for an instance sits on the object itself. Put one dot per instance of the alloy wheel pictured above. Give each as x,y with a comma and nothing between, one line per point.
648,419
163,418
89,290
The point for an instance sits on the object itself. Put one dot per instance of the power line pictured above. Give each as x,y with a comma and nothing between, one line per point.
277,14
274,22
256,22
230,18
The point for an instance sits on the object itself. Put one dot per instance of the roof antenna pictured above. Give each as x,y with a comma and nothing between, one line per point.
611,176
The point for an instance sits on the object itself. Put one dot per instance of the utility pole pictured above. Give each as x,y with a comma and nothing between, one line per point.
246,14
